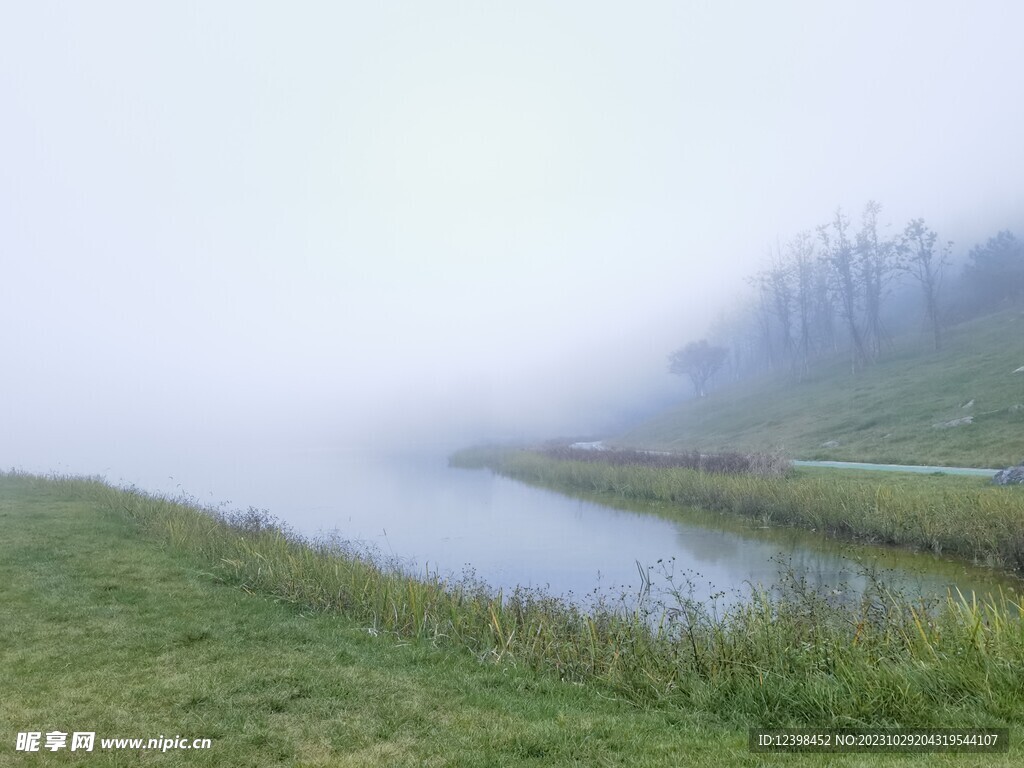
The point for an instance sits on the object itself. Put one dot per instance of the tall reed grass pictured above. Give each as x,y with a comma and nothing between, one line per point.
982,524
783,657
727,463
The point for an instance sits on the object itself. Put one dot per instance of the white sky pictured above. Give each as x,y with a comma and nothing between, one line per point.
333,219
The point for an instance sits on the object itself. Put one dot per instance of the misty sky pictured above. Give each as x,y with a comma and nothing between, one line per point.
332,220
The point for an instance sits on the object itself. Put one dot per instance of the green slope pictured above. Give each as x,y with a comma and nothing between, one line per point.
886,413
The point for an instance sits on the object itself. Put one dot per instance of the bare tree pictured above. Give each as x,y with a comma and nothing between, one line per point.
763,315
876,262
698,360
736,330
823,308
919,259
839,254
778,282
801,254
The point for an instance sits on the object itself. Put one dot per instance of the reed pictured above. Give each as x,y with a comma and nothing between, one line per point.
727,463
967,518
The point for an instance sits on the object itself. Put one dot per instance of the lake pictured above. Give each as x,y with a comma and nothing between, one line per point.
420,512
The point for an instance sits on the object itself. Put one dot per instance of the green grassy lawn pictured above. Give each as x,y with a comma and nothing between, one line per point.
110,626
105,630
886,413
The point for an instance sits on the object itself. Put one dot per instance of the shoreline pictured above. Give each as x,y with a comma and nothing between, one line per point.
351,628
957,515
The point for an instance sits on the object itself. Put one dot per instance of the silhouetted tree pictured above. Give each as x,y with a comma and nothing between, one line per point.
801,255
876,261
919,258
778,283
737,331
839,255
823,307
698,360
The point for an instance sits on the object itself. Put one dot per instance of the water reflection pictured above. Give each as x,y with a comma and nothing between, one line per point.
452,520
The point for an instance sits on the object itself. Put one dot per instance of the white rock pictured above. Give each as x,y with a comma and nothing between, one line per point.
955,423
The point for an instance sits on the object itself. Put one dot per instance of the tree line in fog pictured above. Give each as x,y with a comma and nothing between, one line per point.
847,288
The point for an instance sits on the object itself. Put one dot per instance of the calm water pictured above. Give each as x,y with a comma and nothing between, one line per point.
449,520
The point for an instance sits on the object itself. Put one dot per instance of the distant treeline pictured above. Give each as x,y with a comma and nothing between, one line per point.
837,290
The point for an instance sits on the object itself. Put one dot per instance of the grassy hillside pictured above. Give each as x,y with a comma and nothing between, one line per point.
887,413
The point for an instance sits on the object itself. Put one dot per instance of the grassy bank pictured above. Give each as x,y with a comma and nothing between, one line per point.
179,621
887,413
116,620
961,516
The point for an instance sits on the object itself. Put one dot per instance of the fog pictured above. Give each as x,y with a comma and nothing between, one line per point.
351,226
